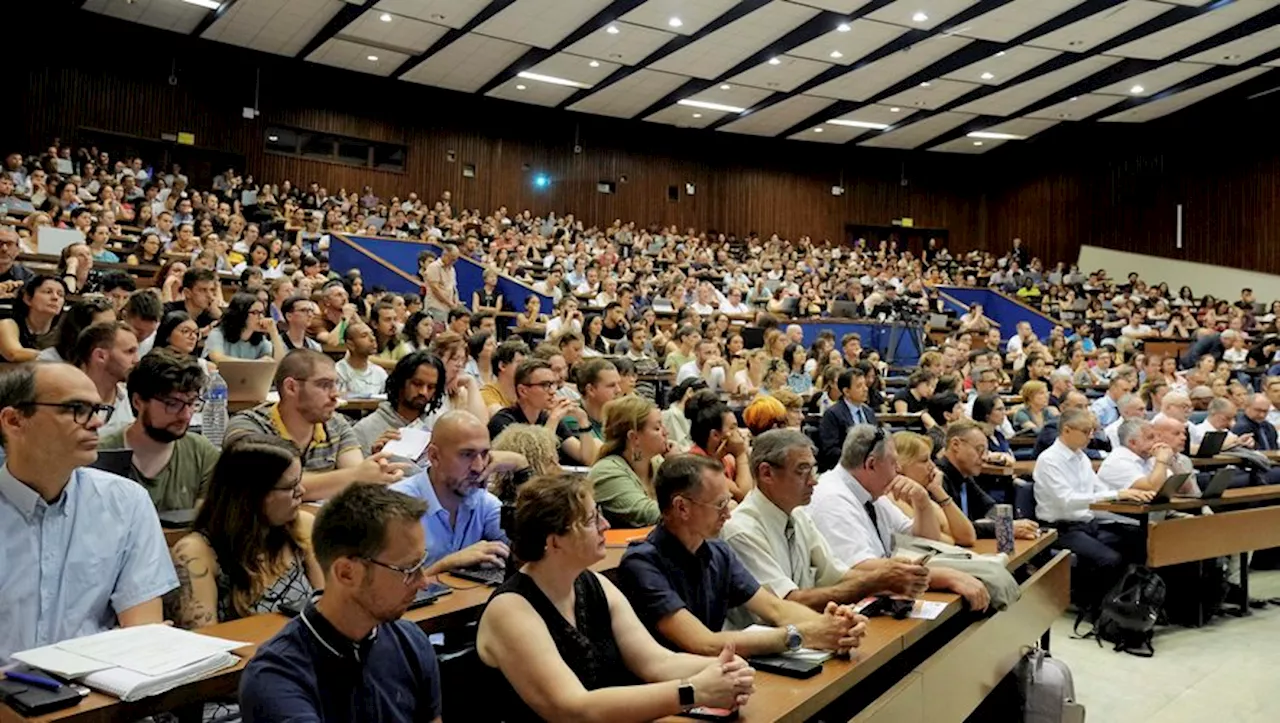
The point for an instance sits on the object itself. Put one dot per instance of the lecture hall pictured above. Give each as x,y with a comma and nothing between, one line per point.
879,361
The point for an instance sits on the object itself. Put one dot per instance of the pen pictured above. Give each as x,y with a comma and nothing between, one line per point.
37,680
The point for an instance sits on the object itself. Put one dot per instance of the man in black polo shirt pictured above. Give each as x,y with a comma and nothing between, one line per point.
200,291
538,403
348,656
682,581
12,274
960,464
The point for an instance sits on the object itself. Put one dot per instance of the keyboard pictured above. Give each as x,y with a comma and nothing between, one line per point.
493,576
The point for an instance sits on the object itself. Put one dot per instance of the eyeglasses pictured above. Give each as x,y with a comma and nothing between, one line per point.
721,507
295,489
186,331
324,385
82,413
546,386
173,405
411,574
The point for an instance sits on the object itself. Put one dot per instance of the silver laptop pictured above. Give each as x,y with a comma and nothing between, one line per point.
247,381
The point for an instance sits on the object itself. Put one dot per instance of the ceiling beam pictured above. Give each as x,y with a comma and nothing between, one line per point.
493,8
214,16
339,22
533,56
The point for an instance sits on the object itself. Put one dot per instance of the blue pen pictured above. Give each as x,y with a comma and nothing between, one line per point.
37,680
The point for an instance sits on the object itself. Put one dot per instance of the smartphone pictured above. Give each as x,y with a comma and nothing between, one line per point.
704,712
926,557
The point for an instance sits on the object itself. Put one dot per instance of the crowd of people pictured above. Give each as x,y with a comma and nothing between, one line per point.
663,389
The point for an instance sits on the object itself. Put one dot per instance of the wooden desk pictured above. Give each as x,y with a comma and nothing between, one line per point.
901,420
1166,346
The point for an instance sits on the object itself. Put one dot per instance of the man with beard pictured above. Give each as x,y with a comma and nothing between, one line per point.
107,352
348,656
415,397
173,466
462,523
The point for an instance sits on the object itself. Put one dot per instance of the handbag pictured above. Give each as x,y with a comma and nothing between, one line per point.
992,570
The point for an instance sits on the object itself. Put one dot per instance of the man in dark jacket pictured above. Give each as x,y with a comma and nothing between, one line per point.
851,410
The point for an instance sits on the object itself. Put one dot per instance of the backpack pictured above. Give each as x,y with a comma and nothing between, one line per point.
1047,689
1128,613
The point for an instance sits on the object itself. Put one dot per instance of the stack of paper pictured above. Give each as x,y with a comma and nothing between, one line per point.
134,663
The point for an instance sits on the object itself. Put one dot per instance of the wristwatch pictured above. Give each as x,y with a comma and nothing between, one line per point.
793,638
686,695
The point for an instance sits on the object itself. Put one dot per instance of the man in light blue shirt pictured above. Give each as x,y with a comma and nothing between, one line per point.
81,550
463,521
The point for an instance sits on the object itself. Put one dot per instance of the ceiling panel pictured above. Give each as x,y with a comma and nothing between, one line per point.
870,79
918,133
862,38
683,117
739,96
540,23
835,6
972,146
884,114
396,33
467,63
283,27
630,95
786,76
999,68
1009,21
1178,101
630,45
450,13
716,53
1172,39
693,14
778,117
936,12
1078,108
1013,98
1025,127
575,68
829,134
359,57
931,97
1084,35
532,91
1154,81
1241,50
164,14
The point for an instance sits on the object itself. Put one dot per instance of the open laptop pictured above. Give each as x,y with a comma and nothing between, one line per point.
939,322
1171,485
247,381
846,309
1219,484
1211,445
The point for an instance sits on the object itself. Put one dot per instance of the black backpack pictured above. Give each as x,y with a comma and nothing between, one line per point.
1128,613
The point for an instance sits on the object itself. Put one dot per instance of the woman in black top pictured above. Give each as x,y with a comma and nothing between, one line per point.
36,309
487,297
564,644
592,336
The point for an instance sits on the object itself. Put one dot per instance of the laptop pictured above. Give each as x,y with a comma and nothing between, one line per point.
846,310
1220,482
115,461
940,322
1211,445
247,381
1171,485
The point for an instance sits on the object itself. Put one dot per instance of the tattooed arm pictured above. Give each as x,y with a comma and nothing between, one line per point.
196,565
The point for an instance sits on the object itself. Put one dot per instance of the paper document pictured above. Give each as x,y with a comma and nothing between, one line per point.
60,662
411,444
927,610
150,650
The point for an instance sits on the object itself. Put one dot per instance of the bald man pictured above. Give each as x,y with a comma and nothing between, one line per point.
463,522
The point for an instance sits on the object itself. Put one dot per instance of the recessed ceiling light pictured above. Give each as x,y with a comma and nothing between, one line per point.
675,22
843,27
977,143
991,135
273,139
894,109
837,54
986,76
612,30
1136,89
817,130
858,124
774,61
520,87
1074,98
725,86
594,64
920,17
551,79
710,106
373,58
697,115
924,84
206,4
1000,54
385,17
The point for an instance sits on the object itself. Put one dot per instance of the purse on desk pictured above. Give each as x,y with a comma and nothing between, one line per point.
1001,586
32,700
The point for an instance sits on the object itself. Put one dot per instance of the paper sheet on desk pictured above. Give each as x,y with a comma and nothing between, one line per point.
808,655
151,650
410,445
927,610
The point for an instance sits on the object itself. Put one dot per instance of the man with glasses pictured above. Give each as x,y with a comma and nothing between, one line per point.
1065,486
297,312
173,466
853,508
960,465
682,581
538,403
349,656
12,274
307,382
83,550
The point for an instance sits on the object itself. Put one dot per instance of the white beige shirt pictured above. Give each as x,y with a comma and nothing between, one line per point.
1066,485
758,533
838,510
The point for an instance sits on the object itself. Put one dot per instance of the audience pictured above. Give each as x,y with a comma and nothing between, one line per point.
244,332
35,310
537,403
107,352
357,376
624,475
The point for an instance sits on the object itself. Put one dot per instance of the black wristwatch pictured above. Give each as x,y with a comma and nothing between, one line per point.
686,695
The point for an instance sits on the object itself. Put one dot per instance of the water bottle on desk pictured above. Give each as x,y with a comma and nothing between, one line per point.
214,416
1004,528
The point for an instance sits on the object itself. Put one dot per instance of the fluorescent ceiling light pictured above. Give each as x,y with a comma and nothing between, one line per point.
207,4
675,22
997,136
920,17
710,106
837,54
774,61
385,17
1136,89
986,76
858,124
612,30
843,27
551,79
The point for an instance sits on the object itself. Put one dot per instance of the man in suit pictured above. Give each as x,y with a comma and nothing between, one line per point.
1254,421
837,420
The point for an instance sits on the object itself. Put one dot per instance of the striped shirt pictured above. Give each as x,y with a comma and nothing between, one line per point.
329,440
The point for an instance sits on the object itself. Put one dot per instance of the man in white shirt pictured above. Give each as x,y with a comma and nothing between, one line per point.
1176,405
707,364
1221,415
357,376
852,509
1014,350
1140,461
734,305
106,352
1136,328
1065,487
1107,407
1272,390
1131,407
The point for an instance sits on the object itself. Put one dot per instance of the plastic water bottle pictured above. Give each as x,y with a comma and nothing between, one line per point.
1004,528
214,417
